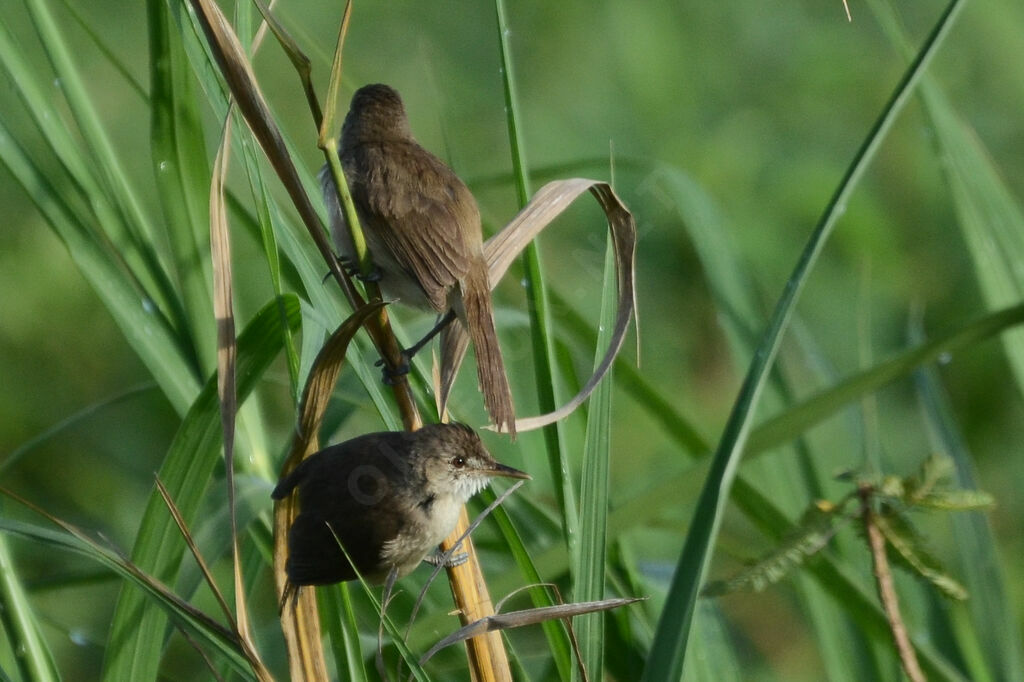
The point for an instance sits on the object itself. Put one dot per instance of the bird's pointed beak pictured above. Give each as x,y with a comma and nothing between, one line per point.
500,469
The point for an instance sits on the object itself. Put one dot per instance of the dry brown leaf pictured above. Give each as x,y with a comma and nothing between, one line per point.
517,619
204,568
227,349
237,72
501,249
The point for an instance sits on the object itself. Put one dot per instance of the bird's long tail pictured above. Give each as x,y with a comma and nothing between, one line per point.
490,368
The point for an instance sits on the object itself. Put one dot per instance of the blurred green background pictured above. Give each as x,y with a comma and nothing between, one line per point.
757,108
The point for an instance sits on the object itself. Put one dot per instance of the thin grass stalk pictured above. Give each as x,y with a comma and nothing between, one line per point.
590,563
190,619
538,306
887,590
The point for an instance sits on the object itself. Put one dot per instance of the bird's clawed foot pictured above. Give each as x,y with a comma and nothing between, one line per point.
438,559
375,275
392,375
351,268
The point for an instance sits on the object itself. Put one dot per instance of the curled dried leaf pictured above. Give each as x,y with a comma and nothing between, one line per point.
500,250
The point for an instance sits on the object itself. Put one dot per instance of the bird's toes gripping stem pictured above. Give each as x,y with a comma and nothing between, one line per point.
438,559
375,275
392,375
351,268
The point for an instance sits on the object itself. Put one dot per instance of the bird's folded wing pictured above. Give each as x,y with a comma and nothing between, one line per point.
423,214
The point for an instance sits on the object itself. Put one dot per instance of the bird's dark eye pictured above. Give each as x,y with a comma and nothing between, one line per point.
458,462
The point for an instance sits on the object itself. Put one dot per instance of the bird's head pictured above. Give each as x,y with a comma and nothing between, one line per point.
455,461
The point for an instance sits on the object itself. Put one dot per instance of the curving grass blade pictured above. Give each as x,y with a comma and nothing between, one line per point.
992,629
668,652
20,624
192,621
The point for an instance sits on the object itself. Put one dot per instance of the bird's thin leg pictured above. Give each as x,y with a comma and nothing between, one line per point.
391,374
290,594
441,324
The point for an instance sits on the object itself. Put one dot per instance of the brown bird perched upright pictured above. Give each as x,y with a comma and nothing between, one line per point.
422,229
389,498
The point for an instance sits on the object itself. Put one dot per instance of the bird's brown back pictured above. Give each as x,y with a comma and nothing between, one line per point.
416,208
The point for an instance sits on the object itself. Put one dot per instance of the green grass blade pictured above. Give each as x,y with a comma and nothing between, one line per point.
33,656
212,529
112,175
648,506
990,218
182,174
668,653
270,250
104,48
990,604
541,329
197,624
88,208
791,477
343,629
186,472
101,158
717,662
794,476
384,618
790,424
589,571
70,422
146,331
555,631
